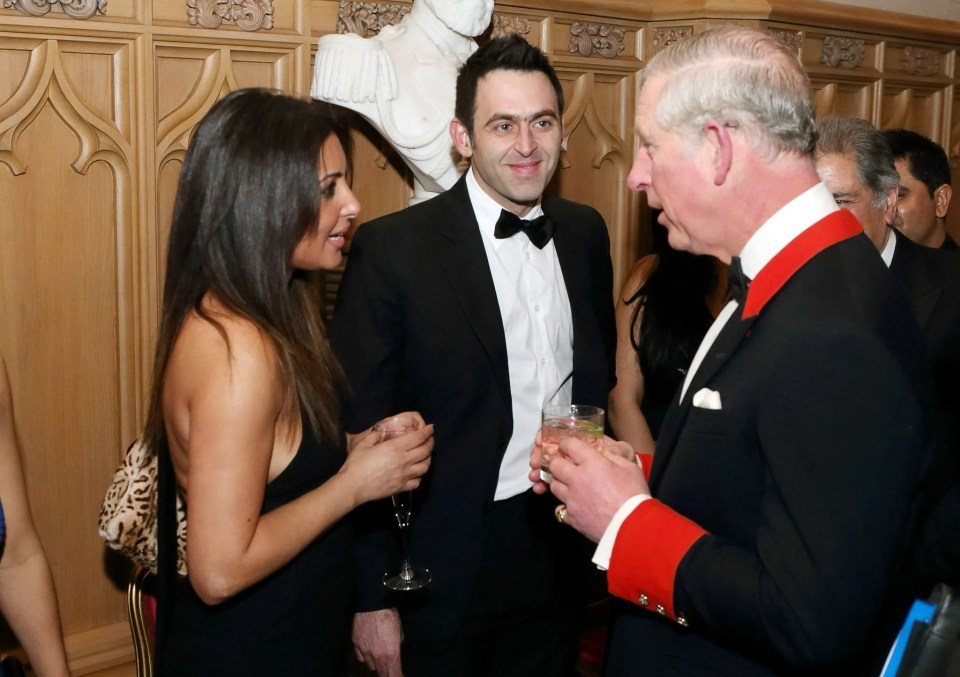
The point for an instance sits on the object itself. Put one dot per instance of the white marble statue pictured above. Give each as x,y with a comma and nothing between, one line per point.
403,81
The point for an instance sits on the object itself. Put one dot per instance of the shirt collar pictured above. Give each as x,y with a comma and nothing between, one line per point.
889,248
784,226
487,210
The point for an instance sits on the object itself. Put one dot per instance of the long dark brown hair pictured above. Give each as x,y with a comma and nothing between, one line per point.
249,190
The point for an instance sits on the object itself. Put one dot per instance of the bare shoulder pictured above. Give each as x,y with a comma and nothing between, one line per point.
638,275
223,353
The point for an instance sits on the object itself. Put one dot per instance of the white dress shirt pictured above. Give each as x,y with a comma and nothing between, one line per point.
769,239
538,327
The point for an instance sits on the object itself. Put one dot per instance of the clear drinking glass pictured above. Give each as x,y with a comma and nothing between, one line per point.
580,421
408,578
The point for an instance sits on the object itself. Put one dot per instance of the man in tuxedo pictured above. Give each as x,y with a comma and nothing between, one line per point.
925,191
477,308
783,490
857,165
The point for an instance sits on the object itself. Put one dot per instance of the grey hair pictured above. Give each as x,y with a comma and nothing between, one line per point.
863,143
739,77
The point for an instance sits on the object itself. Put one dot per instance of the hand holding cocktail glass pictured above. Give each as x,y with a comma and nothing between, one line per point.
563,421
592,477
408,578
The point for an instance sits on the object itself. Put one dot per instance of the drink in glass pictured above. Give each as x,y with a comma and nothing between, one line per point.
580,421
408,578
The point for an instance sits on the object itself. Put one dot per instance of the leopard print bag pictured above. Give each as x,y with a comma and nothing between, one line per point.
128,515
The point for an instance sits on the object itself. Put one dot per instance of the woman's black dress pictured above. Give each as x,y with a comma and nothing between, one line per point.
294,622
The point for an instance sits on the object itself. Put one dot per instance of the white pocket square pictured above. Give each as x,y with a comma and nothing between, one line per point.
707,399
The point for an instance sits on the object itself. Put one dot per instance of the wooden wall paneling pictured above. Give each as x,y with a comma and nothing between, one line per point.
68,237
914,106
189,79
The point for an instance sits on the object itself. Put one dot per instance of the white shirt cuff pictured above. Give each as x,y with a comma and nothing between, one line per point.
604,551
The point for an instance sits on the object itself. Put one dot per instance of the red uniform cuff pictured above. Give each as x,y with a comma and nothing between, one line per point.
649,546
646,462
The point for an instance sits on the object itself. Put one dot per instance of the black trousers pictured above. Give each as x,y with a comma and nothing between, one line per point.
526,611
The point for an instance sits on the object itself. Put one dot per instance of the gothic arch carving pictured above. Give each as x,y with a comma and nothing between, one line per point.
581,109
45,80
173,130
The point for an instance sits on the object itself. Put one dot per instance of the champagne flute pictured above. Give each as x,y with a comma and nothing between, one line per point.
579,421
408,578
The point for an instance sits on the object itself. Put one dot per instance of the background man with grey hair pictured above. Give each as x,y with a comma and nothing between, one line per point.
783,490
857,165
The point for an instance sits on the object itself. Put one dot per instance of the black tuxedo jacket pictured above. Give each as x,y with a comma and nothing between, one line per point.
418,327
931,280
806,482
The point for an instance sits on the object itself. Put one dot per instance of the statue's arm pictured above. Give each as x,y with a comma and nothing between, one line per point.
352,70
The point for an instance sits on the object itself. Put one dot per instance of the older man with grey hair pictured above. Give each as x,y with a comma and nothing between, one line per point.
783,493
857,164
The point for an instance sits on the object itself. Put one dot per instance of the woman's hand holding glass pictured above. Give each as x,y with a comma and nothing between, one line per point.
387,467
409,577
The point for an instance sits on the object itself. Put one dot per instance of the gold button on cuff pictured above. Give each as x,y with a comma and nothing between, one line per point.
643,600
661,610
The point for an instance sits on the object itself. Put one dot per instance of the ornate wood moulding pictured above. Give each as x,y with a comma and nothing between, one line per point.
74,9
248,15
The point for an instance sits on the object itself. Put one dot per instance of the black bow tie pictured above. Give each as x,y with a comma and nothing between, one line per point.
539,230
737,282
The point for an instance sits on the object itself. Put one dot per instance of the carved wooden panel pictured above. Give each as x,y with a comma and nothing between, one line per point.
599,41
598,153
833,96
913,106
190,79
839,53
69,281
255,17
86,13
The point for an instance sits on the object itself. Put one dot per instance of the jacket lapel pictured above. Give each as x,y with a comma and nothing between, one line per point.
574,266
726,344
465,263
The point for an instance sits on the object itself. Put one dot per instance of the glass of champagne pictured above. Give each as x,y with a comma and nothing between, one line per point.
580,421
408,578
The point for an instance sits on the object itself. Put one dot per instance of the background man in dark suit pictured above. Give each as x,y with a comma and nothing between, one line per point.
855,161
784,486
478,329
925,190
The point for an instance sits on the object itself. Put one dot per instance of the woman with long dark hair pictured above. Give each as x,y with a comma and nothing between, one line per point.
246,395
668,302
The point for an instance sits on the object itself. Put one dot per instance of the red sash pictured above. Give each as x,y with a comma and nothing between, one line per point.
831,229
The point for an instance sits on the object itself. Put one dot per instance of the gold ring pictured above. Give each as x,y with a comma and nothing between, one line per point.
560,512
